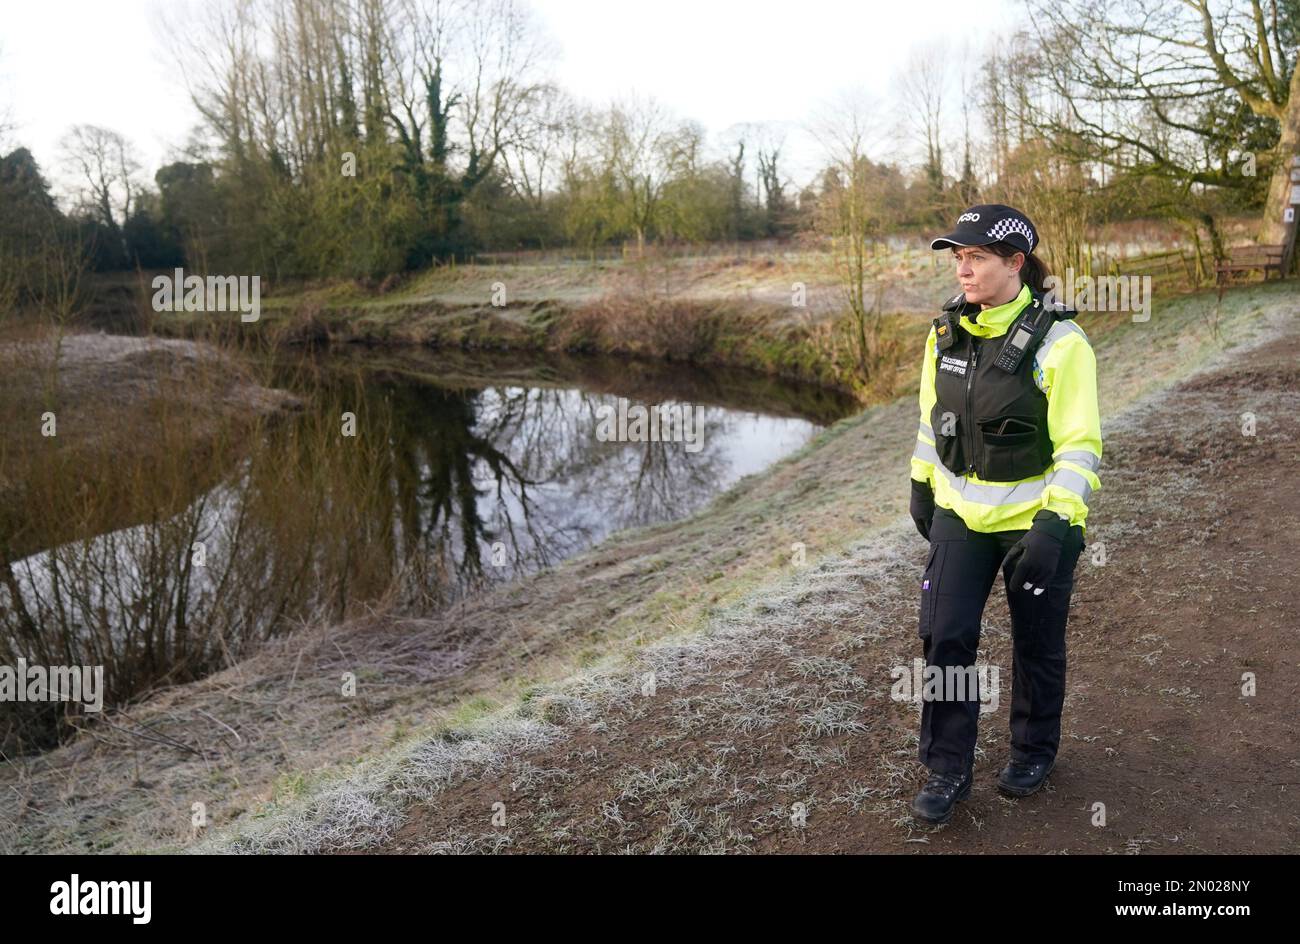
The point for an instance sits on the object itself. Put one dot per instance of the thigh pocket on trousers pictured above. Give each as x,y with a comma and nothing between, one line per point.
946,528
930,586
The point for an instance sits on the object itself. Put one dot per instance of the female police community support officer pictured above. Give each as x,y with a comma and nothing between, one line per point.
1006,459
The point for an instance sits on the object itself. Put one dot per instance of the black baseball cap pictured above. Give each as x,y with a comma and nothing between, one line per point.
990,223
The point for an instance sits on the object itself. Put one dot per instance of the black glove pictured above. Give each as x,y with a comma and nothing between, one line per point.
1035,556
922,507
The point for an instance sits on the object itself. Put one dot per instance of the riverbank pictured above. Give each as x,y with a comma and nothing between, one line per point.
779,315
281,759
99,405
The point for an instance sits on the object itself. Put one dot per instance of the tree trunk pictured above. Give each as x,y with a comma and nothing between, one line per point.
1273,230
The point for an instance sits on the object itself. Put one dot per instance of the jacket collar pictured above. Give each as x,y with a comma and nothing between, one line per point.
992,321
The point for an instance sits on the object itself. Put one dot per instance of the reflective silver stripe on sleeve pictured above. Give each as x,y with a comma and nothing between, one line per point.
926,428
1068,478
1090,461
1062,329
926,453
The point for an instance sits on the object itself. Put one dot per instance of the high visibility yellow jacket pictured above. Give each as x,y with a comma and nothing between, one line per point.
1065,369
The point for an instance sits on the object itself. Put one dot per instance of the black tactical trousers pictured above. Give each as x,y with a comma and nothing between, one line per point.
958,577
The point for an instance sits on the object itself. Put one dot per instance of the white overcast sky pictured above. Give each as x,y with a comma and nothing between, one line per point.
720,62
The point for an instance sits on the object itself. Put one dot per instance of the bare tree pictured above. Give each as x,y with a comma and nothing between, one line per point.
922,88
967,185
772,181
1178,91
771,185
639,135
478,61
537,157
107,169
859,203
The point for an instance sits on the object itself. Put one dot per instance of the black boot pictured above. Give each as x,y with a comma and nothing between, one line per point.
1020,779
940,794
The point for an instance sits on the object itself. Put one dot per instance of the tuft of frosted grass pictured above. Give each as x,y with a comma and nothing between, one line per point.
439,763
351,813
468,844
366,808
830,718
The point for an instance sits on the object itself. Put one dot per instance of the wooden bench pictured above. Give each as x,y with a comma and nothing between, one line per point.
1264,258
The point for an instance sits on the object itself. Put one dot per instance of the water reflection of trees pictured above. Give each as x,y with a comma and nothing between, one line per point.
524,467
296,522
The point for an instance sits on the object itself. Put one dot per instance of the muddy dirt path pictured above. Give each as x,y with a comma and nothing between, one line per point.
779,735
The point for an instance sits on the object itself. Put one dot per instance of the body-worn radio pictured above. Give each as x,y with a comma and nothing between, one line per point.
1024,335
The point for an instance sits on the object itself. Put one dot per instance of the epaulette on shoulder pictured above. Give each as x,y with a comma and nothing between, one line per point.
1058,310
956,303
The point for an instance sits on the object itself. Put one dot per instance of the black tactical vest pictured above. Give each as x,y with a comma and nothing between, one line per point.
987,420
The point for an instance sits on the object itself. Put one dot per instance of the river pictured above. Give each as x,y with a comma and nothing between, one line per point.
415,476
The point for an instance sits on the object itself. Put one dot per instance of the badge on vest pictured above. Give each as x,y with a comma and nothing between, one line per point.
954,365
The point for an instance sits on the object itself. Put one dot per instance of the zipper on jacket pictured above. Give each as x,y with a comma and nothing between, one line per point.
970,379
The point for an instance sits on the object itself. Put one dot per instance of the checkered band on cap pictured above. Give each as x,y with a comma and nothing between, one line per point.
1000,229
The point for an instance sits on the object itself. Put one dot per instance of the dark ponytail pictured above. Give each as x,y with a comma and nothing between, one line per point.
1033,273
